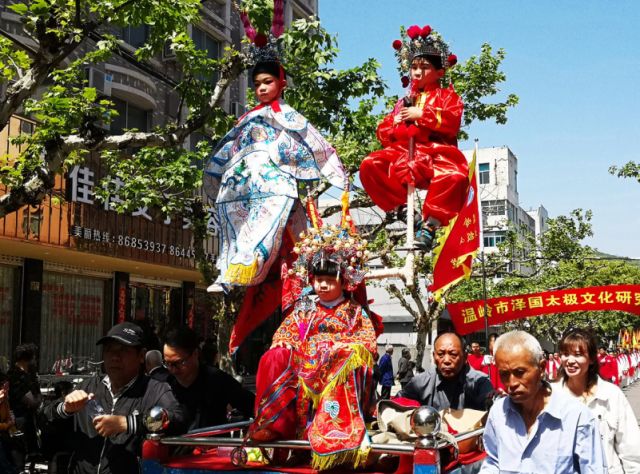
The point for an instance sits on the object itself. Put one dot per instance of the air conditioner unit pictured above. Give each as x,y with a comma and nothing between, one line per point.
167,53
99,80
237,109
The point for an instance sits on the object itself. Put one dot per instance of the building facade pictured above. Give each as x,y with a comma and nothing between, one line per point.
72,267
497,169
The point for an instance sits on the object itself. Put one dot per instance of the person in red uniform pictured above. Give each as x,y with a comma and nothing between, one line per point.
489,364
608,366
476,358
432,115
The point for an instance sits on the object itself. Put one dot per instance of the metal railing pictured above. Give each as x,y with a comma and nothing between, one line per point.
391,448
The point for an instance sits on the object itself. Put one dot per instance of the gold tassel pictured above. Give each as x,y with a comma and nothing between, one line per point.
356,457
360,357
240,274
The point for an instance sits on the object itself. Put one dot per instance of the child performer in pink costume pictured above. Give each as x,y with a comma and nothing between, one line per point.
316,382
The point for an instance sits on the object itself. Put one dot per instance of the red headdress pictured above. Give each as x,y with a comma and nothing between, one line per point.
338,244
420,41
264,47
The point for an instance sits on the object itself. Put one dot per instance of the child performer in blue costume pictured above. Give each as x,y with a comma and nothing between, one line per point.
254,172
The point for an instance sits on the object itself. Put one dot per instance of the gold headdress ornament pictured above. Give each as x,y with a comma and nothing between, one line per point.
339,244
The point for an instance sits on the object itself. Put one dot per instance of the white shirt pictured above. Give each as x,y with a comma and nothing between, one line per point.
618,427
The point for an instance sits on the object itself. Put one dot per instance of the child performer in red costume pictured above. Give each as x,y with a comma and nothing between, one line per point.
430,115
315,382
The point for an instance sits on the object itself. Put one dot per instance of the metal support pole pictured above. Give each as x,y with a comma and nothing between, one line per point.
484,297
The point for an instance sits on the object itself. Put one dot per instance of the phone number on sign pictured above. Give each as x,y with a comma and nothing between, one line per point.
157,247
95,235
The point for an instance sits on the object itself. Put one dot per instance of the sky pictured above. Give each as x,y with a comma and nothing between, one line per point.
575,66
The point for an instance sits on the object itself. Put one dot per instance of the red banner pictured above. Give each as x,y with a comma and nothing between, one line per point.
454,254
468,316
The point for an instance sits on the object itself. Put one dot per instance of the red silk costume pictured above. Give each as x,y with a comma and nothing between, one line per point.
437,164
315,382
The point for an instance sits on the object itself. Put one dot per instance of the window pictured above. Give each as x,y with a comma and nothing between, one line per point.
204,42
511,212
8,279
129,116
484,173
135,35
494,239
73,316
494,208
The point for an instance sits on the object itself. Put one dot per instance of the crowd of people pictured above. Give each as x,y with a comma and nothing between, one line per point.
543,417
97,426
577,421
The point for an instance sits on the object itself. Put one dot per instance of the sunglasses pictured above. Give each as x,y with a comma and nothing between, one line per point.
178,364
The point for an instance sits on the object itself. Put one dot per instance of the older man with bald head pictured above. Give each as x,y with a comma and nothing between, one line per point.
451,383
154,366
536,429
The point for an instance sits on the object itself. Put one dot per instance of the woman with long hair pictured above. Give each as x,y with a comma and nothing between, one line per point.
579,377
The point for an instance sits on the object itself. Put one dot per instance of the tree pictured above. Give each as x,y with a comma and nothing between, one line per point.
628,170
47,82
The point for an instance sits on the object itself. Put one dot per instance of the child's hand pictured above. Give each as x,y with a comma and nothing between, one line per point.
410,114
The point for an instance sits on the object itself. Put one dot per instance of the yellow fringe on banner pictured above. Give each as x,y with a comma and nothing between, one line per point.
240,274
360,357
356,457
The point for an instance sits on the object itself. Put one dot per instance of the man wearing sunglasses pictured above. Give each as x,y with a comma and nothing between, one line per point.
204,392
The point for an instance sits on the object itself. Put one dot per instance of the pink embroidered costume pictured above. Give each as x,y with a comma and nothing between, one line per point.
315,382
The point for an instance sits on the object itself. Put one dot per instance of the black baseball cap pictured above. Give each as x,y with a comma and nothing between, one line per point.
125,333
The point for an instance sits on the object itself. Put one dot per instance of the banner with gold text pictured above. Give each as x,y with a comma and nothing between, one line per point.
456,250
468,316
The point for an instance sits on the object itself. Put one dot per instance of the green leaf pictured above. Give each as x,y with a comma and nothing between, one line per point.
19,8
90,93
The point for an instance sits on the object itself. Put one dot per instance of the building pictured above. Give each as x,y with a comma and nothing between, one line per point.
71,267
499,199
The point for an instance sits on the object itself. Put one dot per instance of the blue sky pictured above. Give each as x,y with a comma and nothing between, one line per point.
575,66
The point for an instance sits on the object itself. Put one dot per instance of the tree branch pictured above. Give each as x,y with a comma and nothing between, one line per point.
49,55
37,185
354,204
32,52
396,293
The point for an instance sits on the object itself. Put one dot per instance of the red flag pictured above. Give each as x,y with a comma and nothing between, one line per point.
458,247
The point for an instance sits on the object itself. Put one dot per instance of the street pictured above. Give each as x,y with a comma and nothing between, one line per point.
633,395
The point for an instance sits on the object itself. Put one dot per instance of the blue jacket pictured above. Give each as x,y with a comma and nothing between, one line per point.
386,370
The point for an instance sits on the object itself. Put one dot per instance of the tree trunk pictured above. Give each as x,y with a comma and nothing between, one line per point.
423,329
421,345
226,316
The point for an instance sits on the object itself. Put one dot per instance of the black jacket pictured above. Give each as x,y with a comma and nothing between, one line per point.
205,400
118,454
469,389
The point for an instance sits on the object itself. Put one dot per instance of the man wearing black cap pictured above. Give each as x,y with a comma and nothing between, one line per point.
108,412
